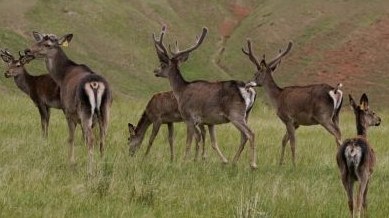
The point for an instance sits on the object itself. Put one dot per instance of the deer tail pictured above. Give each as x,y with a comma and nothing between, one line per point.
337,96
95,91
354,152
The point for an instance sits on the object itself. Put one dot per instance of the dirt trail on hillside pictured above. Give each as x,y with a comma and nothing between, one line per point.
226,29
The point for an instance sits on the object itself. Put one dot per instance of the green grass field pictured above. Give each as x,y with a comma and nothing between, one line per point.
37,179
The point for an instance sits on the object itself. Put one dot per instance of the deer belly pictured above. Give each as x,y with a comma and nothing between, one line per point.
214,119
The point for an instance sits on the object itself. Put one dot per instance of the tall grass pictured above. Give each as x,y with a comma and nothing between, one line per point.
37,180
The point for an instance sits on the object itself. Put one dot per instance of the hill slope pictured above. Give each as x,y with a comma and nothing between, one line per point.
334,41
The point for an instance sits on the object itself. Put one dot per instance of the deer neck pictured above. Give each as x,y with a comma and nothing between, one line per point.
58,65
141,128
272,90
177,82
22,81
361,129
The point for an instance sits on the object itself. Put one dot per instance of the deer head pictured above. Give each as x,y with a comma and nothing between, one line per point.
365,117
263,68
15,66
133,141
177,56
47,44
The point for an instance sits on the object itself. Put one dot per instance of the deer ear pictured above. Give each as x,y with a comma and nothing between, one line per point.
65,40
262,66
26,59
364,102
352,102
131,129
182,58
38,36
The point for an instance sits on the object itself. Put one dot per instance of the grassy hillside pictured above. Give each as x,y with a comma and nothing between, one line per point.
334,41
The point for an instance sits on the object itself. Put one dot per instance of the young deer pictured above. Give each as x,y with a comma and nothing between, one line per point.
85,96
162,108
297,105
356,158
42,89
209,103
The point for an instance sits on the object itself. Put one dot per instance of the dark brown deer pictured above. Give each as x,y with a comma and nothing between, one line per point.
162,108
85,96
298,105
356,158
209,103
42,89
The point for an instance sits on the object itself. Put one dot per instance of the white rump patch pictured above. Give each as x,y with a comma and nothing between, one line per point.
353,156
95,101
337,97
248,95
91,96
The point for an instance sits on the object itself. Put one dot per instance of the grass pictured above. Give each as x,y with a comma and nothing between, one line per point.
37,179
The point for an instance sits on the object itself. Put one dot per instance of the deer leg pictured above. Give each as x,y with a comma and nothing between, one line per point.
44,119
170,127
290,128
334,129
245,130
203,134
364,203
103,125
198,139
156,126
284,142
348,184
72,129
190,130
214,144
362,193
86,123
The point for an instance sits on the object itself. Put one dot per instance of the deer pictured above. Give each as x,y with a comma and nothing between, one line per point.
204,102
162,108
356,157
317,104
41,89
85,96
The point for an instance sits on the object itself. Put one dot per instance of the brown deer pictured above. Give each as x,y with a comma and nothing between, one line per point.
162,108
209,103
85,96
42,89
297,105
356,158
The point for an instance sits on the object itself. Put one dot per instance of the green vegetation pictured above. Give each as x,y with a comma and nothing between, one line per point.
114,39
37,179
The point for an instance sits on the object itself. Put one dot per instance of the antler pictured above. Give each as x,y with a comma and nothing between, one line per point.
251,55
7,53
195,46
276,60
161,50
26,58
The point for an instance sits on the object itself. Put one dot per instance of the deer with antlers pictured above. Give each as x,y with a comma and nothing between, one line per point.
42,89
203,102
162,108
297,105
356,158
85,96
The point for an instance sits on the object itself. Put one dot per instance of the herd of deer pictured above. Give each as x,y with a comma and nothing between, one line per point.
86,98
